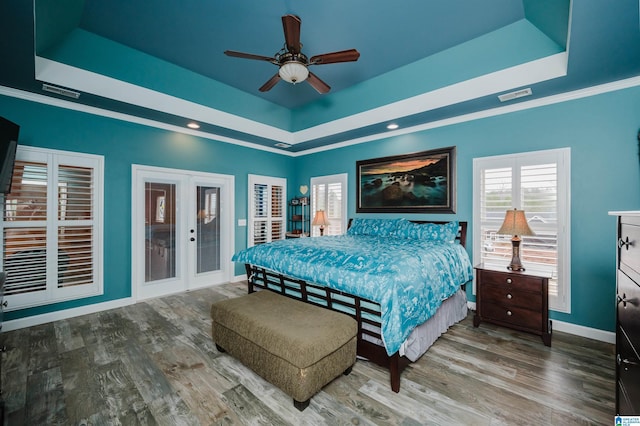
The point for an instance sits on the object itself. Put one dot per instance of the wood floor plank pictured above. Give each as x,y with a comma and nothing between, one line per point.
155,363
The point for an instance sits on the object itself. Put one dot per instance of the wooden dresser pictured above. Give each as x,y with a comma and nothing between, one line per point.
518,300
628,313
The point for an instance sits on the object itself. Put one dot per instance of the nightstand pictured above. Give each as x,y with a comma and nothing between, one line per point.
518,300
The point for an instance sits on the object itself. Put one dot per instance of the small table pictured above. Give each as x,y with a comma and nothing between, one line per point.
518,300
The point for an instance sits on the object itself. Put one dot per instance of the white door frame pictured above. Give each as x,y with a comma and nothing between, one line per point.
185,200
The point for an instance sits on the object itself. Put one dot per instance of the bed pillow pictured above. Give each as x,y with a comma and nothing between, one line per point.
430,232
375,227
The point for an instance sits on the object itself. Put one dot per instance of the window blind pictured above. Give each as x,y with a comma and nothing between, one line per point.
267,209
538,184
328,193
49,228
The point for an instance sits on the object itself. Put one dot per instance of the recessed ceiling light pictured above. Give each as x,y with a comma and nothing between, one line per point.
193,125
283,145
392,126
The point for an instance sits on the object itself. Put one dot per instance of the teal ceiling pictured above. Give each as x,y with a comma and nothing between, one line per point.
421,61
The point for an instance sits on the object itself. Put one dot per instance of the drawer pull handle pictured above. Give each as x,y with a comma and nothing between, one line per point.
625,361
624,243
509,313
509,296
623,299
509,281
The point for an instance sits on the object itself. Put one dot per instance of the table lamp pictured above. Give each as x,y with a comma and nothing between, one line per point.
320,219
515,223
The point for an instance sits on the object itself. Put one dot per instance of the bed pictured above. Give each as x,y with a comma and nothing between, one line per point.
403,281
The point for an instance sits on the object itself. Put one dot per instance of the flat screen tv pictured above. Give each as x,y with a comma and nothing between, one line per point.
8,145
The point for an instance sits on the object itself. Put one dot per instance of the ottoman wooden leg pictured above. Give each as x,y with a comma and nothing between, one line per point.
301,405
220,348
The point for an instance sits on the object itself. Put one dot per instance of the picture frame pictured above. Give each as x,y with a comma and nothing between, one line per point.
421,182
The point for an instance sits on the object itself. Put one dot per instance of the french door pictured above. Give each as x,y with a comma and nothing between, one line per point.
182,226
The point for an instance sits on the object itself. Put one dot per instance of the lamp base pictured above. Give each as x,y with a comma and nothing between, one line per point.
321,231
515,265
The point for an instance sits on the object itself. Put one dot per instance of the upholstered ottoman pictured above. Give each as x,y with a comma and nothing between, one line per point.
296,346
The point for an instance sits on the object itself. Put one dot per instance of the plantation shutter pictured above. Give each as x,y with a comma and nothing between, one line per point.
75,226
25,241
328,193
266,212
538,184
50,220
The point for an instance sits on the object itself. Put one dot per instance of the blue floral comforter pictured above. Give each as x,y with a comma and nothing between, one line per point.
408,278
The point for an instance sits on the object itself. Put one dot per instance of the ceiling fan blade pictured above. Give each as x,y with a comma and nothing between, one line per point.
291,25
269,84
250,56
318,84
333,57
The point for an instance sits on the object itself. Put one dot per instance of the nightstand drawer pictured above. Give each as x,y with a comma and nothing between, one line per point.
514,316
508,296
525,283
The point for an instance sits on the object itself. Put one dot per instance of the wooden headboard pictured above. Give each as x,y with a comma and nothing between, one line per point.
462,230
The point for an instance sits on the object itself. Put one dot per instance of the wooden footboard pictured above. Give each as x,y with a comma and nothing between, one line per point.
364,311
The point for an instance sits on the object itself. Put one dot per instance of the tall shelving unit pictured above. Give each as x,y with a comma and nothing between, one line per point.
298,218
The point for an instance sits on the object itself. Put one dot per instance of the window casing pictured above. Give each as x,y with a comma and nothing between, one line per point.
267,212
52,228
538,183
329,193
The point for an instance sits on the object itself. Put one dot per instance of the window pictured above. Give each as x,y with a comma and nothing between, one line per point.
329,193
52,228
538,183
267,212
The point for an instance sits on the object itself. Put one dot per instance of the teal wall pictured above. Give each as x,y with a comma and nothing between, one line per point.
600,130
123,144
602,134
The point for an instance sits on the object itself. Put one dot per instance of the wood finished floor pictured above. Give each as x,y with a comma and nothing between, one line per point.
155,363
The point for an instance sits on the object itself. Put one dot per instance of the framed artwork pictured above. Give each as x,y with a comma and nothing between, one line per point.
422,182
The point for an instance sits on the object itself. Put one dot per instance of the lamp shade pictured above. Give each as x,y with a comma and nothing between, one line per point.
320,219
515,223
293,72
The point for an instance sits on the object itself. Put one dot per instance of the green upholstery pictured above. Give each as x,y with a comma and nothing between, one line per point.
294,345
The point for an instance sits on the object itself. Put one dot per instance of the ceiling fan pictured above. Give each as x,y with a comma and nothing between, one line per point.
293,63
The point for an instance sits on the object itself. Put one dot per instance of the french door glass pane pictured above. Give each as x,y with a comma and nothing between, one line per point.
160,225
208,229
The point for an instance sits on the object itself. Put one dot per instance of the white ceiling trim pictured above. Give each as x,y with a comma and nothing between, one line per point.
74,106
520,106
90,82
506,109
514,77
500,81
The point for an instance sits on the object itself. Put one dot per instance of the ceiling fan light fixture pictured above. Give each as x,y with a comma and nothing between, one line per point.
293,72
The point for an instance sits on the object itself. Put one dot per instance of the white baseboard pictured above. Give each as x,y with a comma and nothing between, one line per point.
577,330
582,331
238,278
64,314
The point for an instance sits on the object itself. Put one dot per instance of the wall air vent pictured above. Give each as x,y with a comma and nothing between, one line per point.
60,91
283,145
514,95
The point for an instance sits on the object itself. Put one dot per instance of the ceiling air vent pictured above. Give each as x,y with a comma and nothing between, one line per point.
60,91
515,95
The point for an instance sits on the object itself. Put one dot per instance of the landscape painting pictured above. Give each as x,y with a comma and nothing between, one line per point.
422,182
